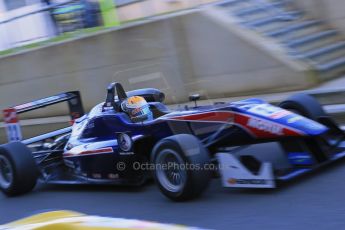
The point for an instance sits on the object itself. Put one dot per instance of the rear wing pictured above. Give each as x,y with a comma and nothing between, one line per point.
10,114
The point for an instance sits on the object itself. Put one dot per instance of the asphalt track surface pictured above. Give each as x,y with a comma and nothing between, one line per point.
316,201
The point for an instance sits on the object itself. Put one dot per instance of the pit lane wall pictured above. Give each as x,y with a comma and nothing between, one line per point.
182,54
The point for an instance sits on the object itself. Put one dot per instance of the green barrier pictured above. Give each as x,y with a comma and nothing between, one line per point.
109,13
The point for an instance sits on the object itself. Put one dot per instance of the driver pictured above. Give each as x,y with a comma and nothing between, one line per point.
137,108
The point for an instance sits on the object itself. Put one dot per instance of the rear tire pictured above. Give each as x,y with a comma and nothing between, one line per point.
183,180
18,169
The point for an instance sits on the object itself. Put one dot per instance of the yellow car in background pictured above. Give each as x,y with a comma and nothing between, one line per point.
68,220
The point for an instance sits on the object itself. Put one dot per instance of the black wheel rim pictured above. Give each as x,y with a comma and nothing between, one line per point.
6,172
170,171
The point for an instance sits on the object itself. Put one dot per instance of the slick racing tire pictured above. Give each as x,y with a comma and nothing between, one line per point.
309,107
180,171
18,170
304,105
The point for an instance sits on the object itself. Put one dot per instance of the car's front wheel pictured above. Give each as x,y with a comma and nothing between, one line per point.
180,171
309,107
304,105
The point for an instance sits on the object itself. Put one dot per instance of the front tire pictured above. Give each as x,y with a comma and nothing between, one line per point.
304,105
309,107
179,167
18,170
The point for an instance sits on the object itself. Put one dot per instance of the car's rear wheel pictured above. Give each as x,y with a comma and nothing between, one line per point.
180,171
18,170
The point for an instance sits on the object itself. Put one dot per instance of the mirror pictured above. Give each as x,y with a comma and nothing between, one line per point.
194,98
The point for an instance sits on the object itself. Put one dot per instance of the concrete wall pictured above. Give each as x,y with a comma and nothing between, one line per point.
331,10
224,63
180,55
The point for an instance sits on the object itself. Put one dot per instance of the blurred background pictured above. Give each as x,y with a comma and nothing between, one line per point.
27,21
219,49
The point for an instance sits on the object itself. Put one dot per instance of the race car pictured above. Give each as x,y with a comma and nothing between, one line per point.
248,144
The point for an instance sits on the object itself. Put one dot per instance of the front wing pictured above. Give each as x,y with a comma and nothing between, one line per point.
263,165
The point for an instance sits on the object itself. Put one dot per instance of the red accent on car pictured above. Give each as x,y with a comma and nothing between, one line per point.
90,152
209,116
262,128
10,116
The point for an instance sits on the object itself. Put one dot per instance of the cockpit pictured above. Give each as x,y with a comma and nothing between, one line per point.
117,96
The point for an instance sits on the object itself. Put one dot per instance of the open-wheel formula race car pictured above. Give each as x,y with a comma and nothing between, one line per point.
248,143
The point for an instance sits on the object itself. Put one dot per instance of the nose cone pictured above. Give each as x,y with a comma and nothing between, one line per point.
308,126
289,120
